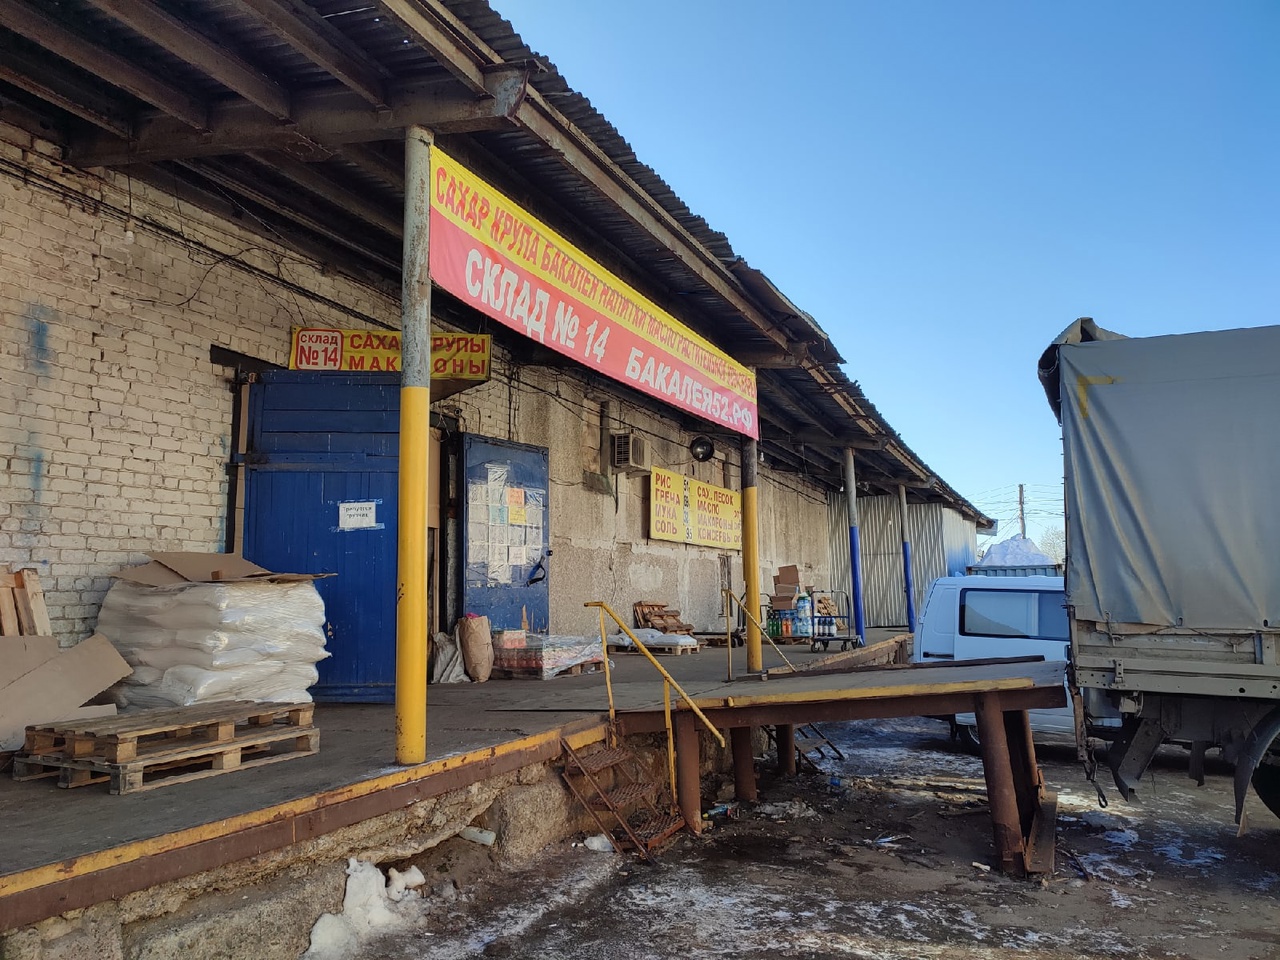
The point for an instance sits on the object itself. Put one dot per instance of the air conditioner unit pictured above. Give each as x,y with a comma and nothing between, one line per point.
628,453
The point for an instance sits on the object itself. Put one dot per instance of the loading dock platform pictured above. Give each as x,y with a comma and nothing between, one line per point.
65,850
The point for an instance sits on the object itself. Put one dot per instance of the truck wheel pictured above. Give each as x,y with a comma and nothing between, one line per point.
967,736
1266,781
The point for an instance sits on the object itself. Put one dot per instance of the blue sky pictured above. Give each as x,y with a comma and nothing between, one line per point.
945,185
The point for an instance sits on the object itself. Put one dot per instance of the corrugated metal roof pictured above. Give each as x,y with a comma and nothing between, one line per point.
816,394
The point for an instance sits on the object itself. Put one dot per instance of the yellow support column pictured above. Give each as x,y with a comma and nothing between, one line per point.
415,432
751,552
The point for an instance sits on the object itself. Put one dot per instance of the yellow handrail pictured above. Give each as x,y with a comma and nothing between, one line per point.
763,632
605,608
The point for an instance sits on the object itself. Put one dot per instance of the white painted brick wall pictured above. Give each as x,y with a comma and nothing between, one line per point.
115,428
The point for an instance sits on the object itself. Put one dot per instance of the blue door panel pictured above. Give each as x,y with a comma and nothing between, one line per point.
317,441
506,528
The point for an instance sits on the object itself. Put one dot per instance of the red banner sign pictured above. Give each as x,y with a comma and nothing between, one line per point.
490,253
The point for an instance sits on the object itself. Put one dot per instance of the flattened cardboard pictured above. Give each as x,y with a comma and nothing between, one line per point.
58,687
20,655
174,569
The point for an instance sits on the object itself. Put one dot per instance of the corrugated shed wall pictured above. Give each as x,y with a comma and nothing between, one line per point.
838,540
960,537
882,594
942,544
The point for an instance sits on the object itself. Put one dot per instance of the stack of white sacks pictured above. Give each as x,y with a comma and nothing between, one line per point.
200,642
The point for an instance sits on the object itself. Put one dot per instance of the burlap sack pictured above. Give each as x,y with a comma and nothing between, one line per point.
476,641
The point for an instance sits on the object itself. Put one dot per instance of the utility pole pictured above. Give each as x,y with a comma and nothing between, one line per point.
1022,513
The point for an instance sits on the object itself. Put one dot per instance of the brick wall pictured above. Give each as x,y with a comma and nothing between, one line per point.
115,428
114,425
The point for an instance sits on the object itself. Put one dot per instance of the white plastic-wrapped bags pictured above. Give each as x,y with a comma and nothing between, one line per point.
199,642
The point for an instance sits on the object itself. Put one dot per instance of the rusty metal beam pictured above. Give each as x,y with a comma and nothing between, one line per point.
33,75
791,357
744,764
333,257
828,711
786,737
300,26
208,56
371,161
44,30
235,182
1002,794
430,26
688,769
823,438
321,122
312,180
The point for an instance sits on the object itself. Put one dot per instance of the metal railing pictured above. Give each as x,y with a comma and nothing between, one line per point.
668,683
728,628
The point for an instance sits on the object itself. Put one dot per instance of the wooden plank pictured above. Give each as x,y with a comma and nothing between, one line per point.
9,626
29,582
136,784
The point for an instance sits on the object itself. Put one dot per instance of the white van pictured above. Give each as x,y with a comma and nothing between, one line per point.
973,618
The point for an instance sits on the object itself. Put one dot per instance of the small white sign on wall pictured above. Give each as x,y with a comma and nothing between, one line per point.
358,515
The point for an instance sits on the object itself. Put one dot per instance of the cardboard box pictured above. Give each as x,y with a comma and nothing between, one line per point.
173,569
58,687
789,574
21,655
782,603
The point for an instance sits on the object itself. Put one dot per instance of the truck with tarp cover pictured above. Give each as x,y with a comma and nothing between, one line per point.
1172,476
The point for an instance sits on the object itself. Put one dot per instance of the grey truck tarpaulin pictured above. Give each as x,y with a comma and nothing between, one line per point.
1127,406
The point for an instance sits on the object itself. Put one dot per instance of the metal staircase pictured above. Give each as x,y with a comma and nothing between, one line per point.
625,807
811,746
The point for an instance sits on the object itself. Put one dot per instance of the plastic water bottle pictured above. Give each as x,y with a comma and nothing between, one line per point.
804,614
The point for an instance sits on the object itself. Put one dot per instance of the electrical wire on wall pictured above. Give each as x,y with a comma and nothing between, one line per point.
125,214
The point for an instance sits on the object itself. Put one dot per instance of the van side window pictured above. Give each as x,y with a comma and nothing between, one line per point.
1029,614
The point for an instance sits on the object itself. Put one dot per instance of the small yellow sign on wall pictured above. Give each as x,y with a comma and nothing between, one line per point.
454,356
686,510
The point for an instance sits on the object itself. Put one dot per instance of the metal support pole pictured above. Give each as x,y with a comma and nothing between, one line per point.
415,435
855,548
786,736
1002,796
751,551
688,770
744,764
908,581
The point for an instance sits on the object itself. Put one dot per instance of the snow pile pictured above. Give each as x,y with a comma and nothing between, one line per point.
372,906
1015,552
215,641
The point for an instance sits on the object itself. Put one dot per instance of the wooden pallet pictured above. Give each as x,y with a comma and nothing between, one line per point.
158,747
654,615
534,673
670,649
22,608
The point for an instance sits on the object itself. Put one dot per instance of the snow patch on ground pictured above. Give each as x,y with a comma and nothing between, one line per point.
1183,853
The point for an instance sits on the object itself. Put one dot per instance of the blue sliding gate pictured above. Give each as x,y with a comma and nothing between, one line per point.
321,496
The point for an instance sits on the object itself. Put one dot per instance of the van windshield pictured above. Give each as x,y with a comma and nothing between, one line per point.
1032,614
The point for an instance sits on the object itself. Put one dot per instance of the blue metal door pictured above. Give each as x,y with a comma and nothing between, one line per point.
506,552
321,485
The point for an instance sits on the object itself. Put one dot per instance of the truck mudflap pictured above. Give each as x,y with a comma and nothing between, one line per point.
1250,768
